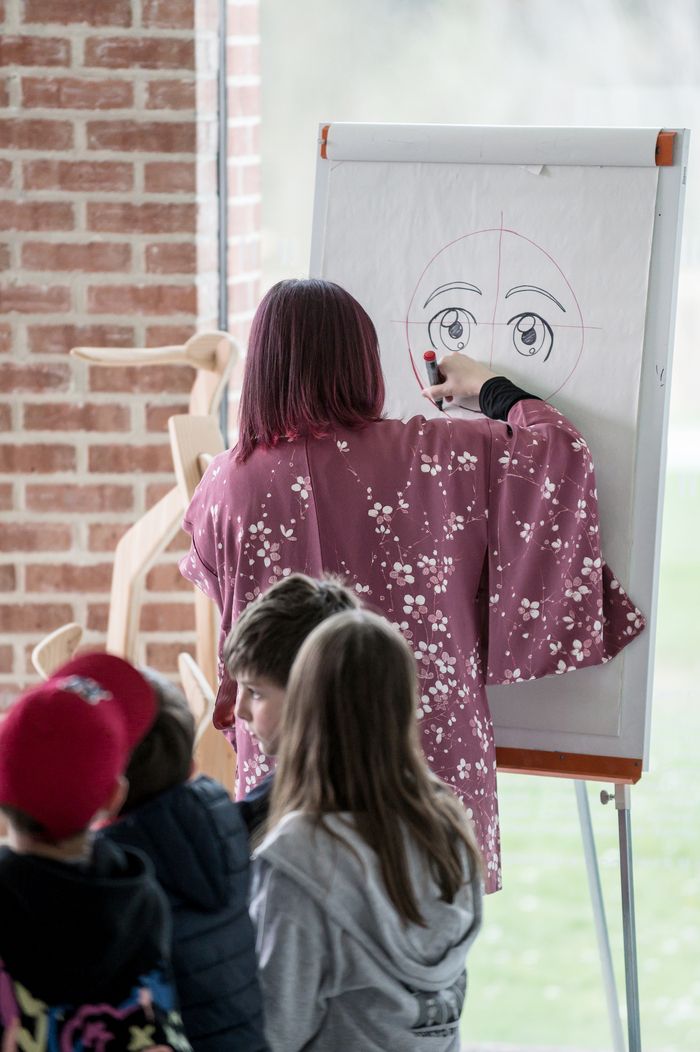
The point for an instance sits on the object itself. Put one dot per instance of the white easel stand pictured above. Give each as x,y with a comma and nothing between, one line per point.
621,796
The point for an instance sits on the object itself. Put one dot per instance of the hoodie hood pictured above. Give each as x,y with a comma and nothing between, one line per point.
341,872
187,833
57,918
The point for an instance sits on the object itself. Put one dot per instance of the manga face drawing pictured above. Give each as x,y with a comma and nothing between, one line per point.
502,299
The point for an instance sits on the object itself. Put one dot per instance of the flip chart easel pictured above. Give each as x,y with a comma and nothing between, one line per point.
595,209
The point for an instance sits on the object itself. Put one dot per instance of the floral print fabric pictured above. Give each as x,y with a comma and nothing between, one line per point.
478,539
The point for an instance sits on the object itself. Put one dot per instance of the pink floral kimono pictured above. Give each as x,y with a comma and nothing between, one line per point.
478,539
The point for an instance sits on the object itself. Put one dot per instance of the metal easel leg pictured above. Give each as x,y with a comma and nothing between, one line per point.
601,927
622,805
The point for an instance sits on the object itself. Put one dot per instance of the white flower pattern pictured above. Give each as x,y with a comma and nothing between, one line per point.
409,514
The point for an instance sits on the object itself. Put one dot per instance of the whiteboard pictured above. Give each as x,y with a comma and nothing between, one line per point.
552,255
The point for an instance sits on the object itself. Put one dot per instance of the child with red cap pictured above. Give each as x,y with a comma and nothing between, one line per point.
84,929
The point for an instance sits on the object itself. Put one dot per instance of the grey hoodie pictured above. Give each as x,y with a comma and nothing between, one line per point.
339,969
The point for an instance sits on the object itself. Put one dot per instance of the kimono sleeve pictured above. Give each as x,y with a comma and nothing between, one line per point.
201,521
553,603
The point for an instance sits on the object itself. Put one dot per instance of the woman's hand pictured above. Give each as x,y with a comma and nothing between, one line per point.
464,378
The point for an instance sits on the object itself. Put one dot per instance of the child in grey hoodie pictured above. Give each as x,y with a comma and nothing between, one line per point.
367,889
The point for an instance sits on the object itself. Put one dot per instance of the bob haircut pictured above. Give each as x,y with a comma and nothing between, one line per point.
349,743
312,365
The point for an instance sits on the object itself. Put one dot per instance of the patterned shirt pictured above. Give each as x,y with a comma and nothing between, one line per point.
477,538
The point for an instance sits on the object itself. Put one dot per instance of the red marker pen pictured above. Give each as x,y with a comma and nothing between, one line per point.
434,374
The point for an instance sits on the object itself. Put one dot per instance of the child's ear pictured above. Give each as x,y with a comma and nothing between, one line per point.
116,800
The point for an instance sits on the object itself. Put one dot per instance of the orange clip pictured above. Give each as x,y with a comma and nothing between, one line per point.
324,141
664,148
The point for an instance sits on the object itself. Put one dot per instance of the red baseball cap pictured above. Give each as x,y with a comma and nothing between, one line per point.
65,742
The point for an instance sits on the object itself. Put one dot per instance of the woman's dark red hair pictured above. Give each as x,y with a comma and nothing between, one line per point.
312,365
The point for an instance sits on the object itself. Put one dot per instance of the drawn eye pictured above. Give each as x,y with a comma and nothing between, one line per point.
532,335
450,329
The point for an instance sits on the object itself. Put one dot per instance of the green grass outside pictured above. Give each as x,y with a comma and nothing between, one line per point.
534,973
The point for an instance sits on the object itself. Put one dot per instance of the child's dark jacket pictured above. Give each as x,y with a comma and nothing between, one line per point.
84,950
198,844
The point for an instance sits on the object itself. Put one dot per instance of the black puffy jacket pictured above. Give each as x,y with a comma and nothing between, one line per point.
198,843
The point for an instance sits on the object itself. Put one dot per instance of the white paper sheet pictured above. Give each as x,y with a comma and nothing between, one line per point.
540,272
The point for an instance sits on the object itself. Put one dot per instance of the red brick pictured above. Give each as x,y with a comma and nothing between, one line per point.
168,14
155,491
5,418
4,93
33,51
157,416
35,537
170,177
142,299
144,136
244,100
6,496
96,256
144,379
34,377
104,536
67,577
5,173
243,60
6,658
4,257
67,416
168,335
130,459
80,499
243,296
167,617
76,93
36,215
139,53
243,219
180,542
244,256
90,12
166,579
35,135
35,299
36,458
97,617
163,656
169,258
58,339
244,179
243,20
34,617
170,95
78,175
244,140
5,338
8,578
125,218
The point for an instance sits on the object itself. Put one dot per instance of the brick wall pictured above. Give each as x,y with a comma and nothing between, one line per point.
107,237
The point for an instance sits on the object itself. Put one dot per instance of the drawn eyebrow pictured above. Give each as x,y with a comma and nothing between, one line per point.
535,288
448,288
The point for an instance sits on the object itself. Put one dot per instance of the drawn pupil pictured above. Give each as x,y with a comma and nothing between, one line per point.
527,330
454,328
532,335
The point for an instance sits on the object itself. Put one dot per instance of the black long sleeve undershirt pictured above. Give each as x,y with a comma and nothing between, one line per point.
498,396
